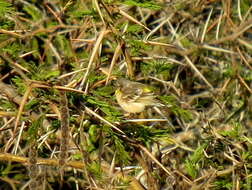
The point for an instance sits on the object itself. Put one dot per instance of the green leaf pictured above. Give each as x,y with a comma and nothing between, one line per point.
19,82
191,168
223,184
160,67
82,13
51,74
177,110
134,28
33,11
93,133
136,46
95,169
13,49
192,162
63,46
245,5
122,155
7,105
198,154
146,134
31,104
33,129
6,25
235,132
77,156
112,114
105,91
5,8
143,3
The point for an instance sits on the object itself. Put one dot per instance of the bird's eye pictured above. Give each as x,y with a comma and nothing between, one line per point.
139,90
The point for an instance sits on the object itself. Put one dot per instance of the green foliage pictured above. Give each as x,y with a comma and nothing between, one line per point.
55,124
146,134
235,132
68,30
245,5
77,156
198,154
80,14
143,3
157,67
247,75
31,104
137,46
132,29
185,114
77,11
111,114
13,49
50,25
229,72
34,45
177,110
95,169
203,102
11,170
19,82
63,46
41,72
223,184
192,163
19,176
123,156
5,104
191,168
43,75
186,42
33,11
93,77
248,183
5,8
105,91
247,155
170,100
96,101
94,132
34,127
6,25
50,74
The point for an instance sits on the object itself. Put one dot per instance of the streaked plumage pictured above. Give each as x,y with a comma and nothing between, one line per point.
133,97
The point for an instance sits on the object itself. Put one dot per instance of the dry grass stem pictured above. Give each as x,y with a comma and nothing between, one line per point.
60,62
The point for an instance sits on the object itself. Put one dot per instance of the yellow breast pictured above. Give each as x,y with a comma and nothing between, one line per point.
131,107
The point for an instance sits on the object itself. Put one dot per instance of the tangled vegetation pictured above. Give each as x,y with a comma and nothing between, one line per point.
60,124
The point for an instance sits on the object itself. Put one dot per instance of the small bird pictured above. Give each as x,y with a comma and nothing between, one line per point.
133,97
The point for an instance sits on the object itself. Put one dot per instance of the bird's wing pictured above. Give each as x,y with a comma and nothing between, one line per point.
138,95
